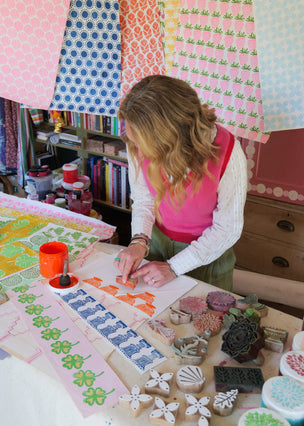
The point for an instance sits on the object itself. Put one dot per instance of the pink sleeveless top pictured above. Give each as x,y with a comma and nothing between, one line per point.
196,213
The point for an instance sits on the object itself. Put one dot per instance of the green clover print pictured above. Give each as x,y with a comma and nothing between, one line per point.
11,251
52,333
27,298
21,289
97,396
35,309
43,321
75,361
25,260
63,347
85,377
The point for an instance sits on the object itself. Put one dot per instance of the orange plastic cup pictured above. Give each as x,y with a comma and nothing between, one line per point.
51,257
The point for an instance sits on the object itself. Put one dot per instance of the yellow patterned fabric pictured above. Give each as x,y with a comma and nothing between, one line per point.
37,219
15,257
172,9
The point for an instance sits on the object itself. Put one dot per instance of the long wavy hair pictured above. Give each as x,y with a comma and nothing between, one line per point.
173,130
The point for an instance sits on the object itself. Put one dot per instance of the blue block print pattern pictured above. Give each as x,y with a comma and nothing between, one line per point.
133,347
280,43
89,71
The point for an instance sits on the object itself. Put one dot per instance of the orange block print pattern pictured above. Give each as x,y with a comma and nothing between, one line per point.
141,45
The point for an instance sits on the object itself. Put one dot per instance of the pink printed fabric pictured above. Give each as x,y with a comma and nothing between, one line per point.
86,376
101,229
141,48
31,34
216,53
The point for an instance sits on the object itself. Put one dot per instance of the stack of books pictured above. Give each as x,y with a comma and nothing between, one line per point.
69,138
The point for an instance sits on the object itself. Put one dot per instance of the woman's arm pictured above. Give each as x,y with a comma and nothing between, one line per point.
143,203
228,218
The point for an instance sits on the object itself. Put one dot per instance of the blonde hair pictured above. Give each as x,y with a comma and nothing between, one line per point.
173,130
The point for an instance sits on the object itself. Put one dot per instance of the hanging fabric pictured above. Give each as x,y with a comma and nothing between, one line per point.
216,52
26,143
8,137
280,45
88,79
31,34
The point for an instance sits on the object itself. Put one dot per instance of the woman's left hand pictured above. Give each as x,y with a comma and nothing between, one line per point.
155,273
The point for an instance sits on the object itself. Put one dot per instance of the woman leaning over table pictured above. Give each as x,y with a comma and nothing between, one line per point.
188,179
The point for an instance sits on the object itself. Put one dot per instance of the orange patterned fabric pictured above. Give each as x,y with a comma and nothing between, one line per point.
141,48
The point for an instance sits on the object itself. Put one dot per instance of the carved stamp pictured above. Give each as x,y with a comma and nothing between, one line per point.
179,317
161,331
190,350
159,383
190,379
197,409
135,401
224,401
164,414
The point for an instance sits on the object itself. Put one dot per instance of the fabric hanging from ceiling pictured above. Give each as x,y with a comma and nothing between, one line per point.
31,35
8,136
141,47
89,72
280,45
216,53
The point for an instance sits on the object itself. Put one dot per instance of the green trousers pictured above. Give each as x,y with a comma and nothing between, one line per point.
218,273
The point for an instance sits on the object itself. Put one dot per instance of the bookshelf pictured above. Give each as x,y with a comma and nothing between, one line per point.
99,151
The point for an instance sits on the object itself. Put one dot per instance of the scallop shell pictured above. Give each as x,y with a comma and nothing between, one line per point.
190,379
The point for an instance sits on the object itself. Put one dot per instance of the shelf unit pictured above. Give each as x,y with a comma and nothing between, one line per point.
85,154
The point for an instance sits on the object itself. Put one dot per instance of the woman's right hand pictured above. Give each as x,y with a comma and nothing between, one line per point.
129,260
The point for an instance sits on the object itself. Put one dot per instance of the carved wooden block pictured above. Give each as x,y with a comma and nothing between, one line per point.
164,414
131,282
190,350
275,338
159,383
161,331
179,317
207,321
190,379
193,305
197,409
245,380
243,341
220,301
135,401
224,402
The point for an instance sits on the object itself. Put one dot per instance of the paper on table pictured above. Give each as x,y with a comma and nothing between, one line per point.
99,269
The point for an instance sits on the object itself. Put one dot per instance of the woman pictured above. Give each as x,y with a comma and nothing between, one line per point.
188,184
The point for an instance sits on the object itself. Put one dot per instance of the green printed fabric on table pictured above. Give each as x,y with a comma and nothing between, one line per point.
14,229
21,278
76,241
15,257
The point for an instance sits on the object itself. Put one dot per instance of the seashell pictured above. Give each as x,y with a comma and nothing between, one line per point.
190,379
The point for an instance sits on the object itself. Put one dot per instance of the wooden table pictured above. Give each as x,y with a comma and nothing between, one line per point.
29,396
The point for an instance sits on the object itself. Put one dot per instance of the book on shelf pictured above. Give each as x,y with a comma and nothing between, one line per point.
109,180
102,123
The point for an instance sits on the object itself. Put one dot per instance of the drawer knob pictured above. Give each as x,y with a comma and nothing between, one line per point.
280,261
286,225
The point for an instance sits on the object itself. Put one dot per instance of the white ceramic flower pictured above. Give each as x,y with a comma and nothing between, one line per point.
197,406
135,400
167,412
160,381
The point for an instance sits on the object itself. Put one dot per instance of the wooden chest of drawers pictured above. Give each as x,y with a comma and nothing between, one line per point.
272,241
